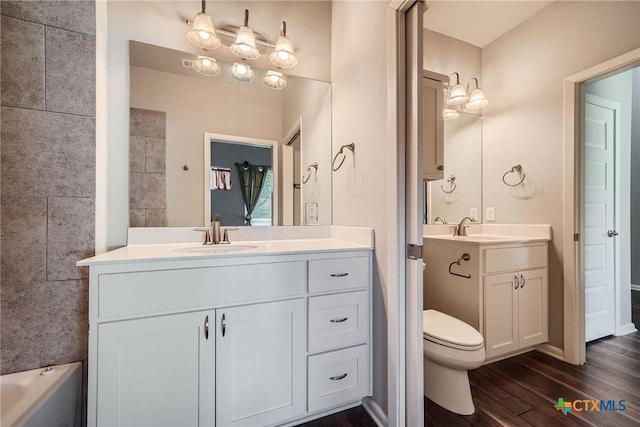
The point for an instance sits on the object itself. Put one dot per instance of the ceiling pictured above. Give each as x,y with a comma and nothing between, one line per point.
478,22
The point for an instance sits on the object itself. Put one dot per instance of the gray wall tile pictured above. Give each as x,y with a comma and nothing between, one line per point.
137,153
147,190
155,155
24,236
147,123
47,154
22,55
43,324
70,72
71,15
137,217
156,218
70,236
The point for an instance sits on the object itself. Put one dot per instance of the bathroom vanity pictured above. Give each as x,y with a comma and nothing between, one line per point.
501,290
253,333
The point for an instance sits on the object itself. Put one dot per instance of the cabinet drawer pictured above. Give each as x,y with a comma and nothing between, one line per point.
514,259
149,292
338,377
338,274
338,320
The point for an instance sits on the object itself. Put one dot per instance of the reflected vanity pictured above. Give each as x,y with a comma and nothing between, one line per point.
192,135
455,196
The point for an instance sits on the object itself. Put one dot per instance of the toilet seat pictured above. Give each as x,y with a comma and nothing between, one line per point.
450,332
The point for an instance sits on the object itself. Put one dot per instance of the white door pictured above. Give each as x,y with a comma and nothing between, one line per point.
157,371
599,226
260,363
532,308
501,313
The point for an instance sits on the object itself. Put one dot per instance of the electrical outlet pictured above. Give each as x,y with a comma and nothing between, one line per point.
491,214
473,214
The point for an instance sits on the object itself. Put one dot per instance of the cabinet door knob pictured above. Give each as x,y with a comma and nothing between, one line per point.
440,167
344,319
522,282
223,324
206,328
612,233
517,281
339,274
339,377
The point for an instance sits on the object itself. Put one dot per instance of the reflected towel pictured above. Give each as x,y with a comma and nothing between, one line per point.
220,180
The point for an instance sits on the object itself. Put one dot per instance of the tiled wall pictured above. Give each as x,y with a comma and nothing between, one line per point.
47,180
147,177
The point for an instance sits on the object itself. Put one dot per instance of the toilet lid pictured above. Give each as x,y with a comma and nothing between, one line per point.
447,329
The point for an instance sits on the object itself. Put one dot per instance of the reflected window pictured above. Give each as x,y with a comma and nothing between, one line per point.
263,212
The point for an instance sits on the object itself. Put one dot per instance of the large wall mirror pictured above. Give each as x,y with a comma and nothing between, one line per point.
459,194
201,145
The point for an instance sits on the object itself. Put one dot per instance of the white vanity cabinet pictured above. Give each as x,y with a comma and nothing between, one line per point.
228,341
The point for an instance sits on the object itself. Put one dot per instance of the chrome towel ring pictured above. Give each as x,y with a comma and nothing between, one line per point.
313,165
452,185
515,169
351,147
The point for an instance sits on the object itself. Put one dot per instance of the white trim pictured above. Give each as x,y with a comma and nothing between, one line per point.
629,328
550,350
375,411
573,291
208,136
102,89
635,288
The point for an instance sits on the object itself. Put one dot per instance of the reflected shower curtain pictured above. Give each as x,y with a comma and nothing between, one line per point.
251,183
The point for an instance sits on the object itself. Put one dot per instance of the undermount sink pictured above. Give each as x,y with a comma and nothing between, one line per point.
213,249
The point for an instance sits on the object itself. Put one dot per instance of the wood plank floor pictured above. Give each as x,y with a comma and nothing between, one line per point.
522,390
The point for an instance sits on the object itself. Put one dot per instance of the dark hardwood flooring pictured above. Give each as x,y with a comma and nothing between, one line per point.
522,390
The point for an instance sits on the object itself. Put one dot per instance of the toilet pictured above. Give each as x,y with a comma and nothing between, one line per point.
451,347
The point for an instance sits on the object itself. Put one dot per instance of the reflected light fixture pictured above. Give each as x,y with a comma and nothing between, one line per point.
457,93
245,44
242,73
202,33
282,55
206,66
274,80
476,99
450,114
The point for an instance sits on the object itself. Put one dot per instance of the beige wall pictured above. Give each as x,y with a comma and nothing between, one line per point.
361,188
443,54
191,108
523,73
162,23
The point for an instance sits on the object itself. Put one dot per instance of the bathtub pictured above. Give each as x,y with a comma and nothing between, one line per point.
42,397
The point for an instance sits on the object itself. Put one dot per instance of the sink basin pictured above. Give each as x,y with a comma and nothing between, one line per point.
213,249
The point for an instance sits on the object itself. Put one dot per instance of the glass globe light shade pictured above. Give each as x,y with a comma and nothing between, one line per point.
476,100
282,55
450,114
457,95
202,33
245,44
274,80
206,66
242,73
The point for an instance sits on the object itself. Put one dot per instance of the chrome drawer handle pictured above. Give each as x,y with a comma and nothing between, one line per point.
339,274
223,324
206,328
344,319
522,282
339,377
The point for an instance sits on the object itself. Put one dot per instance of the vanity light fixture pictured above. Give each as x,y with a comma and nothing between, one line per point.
476,99
245,44
450,114
206,66
242,73
282,55
274,80
457,93
202,32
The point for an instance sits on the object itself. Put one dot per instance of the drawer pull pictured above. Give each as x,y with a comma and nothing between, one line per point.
344,319
339,274
339,377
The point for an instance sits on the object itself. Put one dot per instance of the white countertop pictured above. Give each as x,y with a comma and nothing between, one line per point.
491,234
167,244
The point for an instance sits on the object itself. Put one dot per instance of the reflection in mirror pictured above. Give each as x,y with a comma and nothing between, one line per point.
274,134
459,194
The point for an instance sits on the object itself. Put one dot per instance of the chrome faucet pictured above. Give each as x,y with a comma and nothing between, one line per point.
461,229
441,219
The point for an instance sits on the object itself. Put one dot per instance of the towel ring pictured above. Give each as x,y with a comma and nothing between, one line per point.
517,168
351,147
313,165
452,187
465,257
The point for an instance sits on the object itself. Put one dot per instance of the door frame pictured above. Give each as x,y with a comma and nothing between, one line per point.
573,288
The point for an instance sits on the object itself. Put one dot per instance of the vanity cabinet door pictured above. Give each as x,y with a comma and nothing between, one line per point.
500,314
432,129
260,363
532,308
157,371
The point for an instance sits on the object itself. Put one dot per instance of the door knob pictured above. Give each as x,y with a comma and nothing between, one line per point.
612,233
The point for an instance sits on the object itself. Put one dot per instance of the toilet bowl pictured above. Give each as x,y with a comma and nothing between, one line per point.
451,347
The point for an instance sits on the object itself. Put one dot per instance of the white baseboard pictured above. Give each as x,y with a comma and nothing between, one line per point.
635,288
629,328
550,350
375,411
